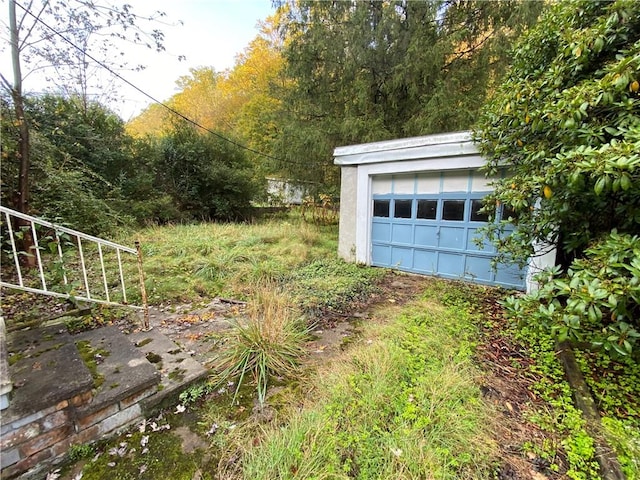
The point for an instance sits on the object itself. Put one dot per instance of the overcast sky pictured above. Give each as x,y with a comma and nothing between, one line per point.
212,34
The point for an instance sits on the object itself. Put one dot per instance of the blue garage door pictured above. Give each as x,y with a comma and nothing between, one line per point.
437,235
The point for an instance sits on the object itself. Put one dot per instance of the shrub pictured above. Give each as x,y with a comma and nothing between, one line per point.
597,301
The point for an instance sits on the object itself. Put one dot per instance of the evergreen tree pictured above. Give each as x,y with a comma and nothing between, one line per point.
369,71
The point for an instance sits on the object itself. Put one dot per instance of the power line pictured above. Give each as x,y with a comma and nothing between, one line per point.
170,109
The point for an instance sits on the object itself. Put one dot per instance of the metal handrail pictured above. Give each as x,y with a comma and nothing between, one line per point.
88,295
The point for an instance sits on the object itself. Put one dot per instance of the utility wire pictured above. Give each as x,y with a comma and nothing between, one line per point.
170,109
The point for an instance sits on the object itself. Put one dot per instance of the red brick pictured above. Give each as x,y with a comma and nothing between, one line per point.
60,448
27,463
45,440
19,435
81,399
97,416
87,435
121,419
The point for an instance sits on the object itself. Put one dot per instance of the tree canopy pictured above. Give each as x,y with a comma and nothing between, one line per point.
370,71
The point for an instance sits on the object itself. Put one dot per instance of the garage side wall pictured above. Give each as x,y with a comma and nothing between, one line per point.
348,224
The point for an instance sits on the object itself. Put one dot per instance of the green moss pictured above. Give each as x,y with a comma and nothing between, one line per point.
88,355
15,358
153,357
144,342
165,459
177,374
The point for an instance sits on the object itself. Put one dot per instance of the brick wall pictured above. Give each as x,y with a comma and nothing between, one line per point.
33,442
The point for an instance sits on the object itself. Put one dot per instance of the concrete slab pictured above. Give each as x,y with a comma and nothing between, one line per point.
177,367
45,368
123,369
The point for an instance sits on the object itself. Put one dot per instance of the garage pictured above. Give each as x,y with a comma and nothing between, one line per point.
415,205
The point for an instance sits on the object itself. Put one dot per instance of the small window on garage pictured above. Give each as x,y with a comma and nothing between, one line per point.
381,208
476,214
402,209
427,209
453,210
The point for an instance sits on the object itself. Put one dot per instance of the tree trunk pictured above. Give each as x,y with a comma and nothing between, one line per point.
21,196
610,468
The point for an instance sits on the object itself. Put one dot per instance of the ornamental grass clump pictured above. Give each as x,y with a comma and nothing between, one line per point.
269,344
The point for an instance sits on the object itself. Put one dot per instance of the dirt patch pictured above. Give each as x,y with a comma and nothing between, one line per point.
190,441
507,385
335,331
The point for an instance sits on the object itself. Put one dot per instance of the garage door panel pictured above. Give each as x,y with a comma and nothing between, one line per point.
381,232
425,261
402,257
472,236
450,264
381,255
435,233
452,237
402,234
426,235
509,275
478,268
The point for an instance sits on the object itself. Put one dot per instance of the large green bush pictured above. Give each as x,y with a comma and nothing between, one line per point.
567,123
208,177
598,300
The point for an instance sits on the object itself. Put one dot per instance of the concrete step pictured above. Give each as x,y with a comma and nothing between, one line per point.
75,389
44,369
122,372
178,369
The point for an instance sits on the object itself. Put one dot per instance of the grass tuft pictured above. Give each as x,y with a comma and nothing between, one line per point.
270,343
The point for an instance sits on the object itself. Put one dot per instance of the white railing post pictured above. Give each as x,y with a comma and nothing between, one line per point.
143,289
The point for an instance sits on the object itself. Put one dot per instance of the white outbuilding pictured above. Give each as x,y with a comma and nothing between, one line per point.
414,204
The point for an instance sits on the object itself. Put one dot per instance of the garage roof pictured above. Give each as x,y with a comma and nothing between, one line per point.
428,146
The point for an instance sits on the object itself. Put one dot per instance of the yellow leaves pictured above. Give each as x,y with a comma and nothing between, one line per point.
222,101
527,118
548,193
634,86
519,143
577,52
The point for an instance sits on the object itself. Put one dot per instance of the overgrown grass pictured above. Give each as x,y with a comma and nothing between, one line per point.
401,404
615,387
326,285
269,344
191,262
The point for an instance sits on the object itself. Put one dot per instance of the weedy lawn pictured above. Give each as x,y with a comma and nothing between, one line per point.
406,398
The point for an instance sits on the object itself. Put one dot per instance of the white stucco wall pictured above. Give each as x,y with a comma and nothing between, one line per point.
347,237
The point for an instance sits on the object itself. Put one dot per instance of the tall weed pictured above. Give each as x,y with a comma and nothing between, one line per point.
269,344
